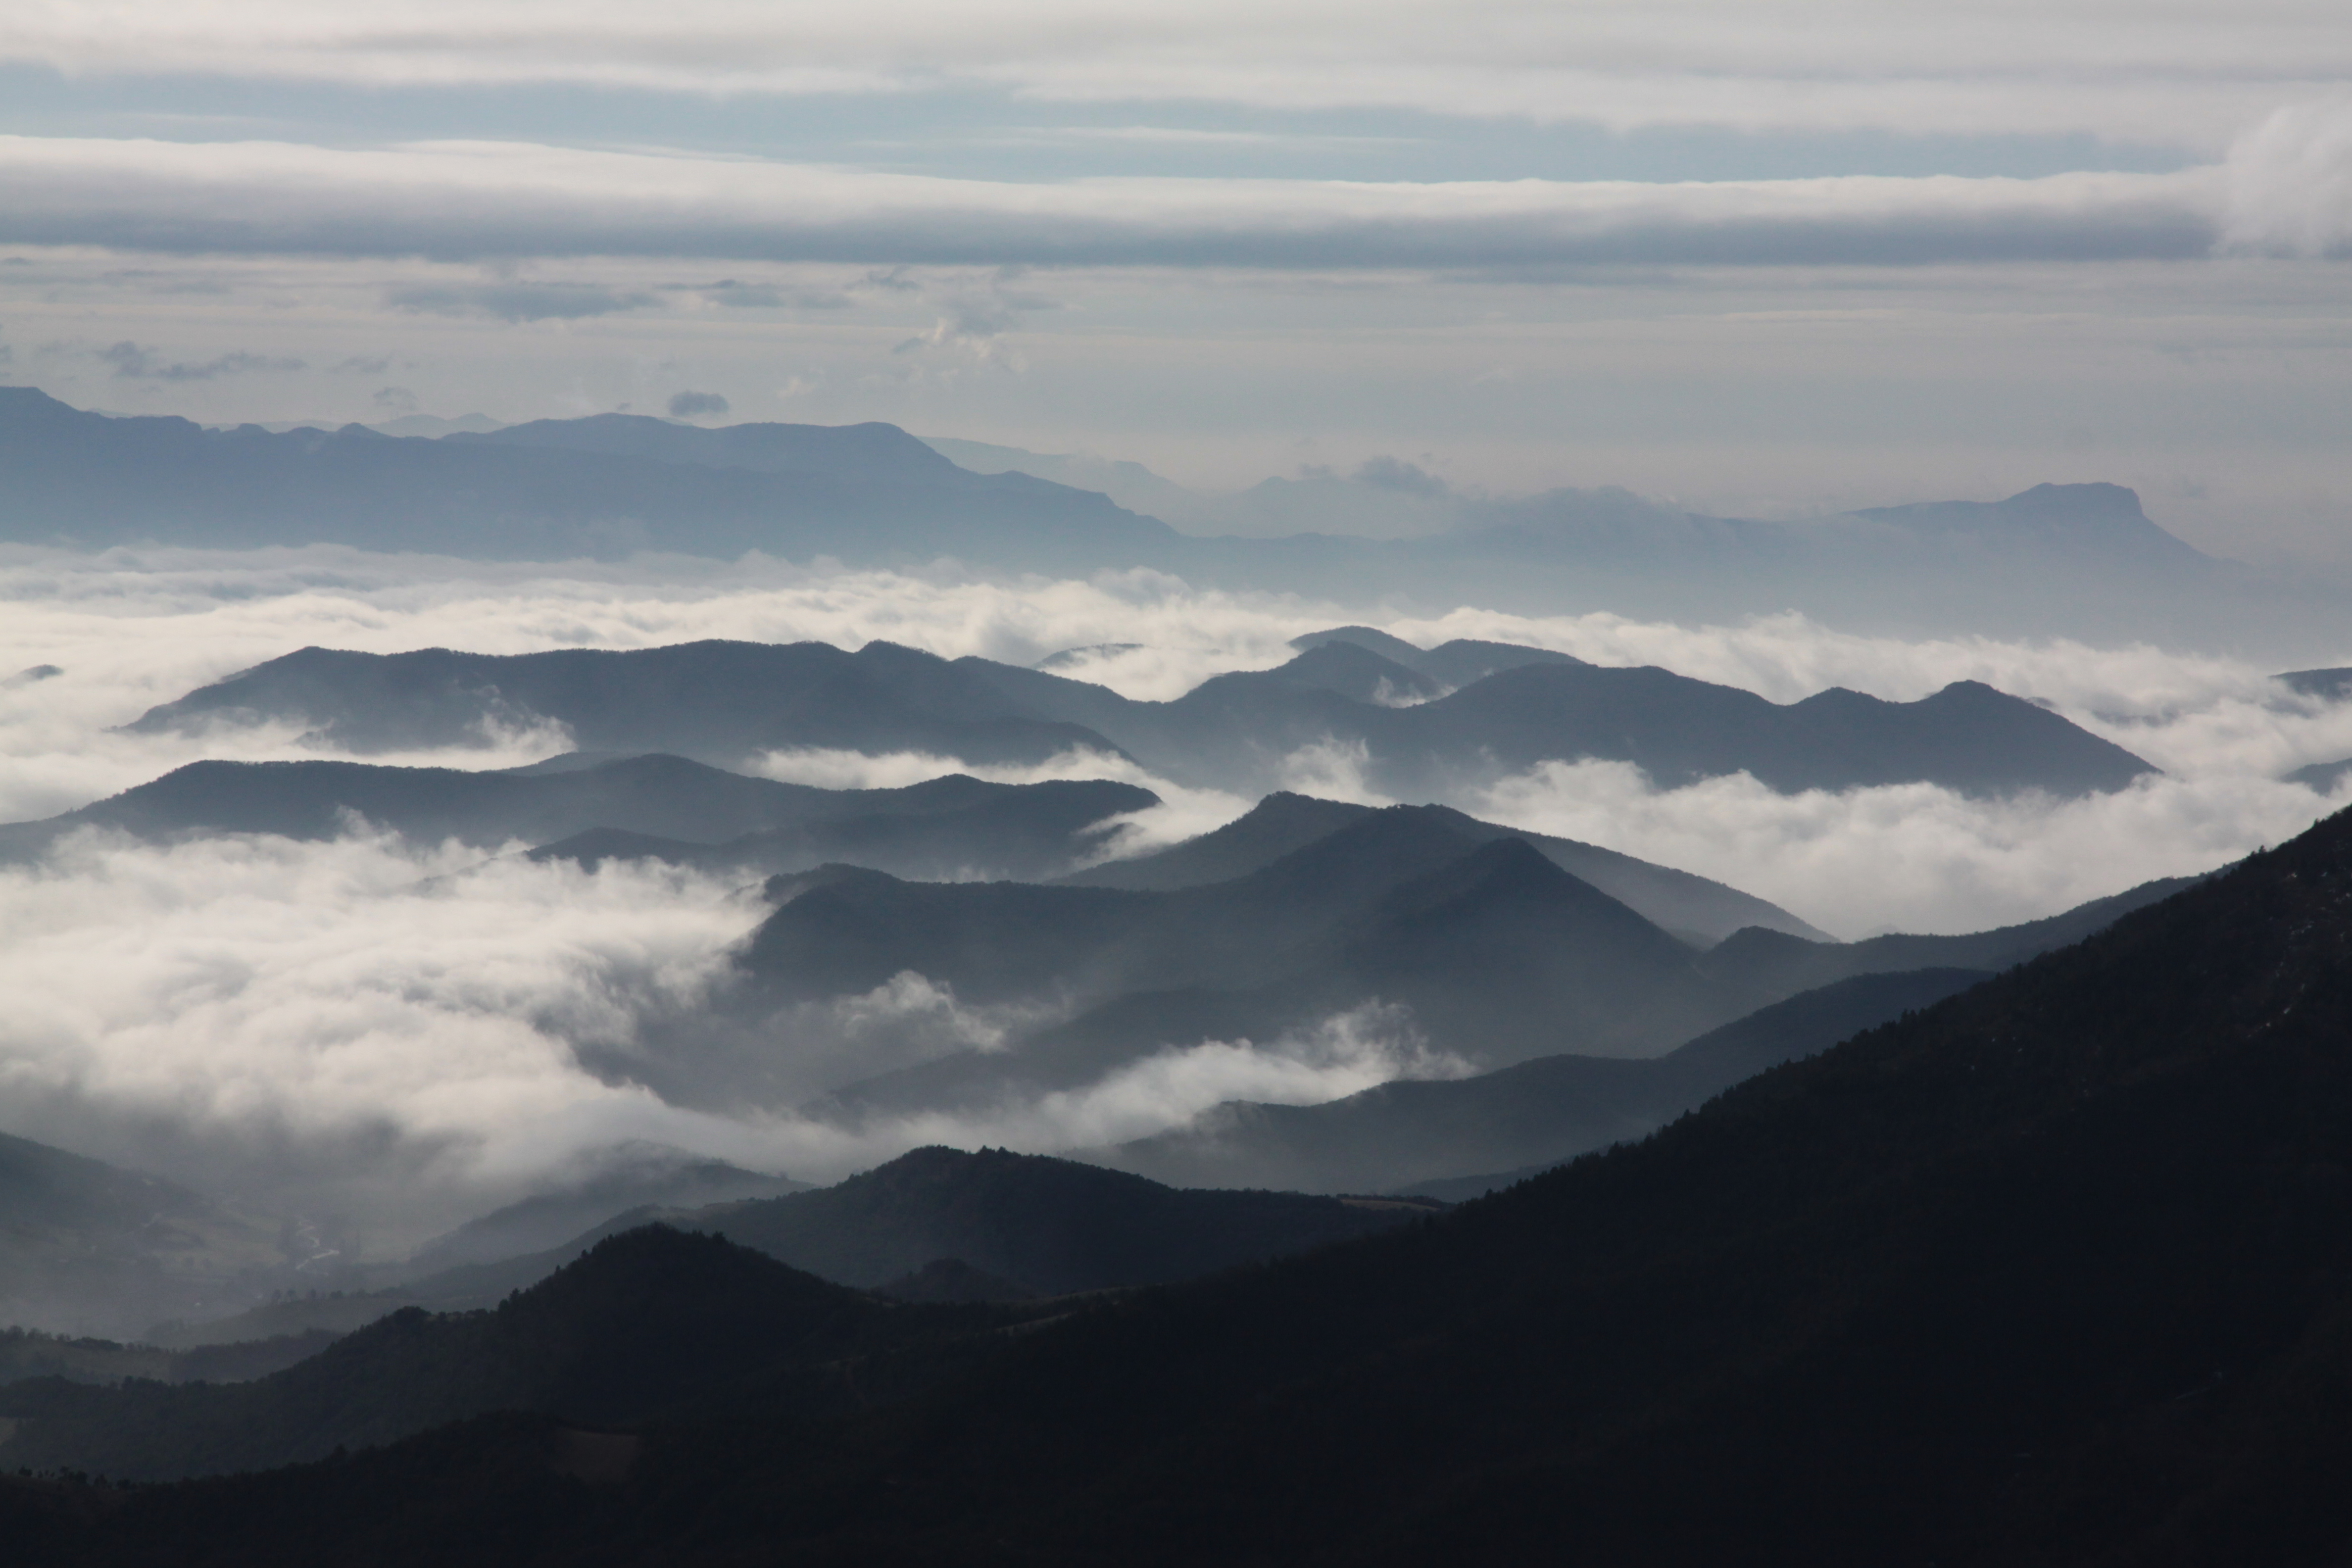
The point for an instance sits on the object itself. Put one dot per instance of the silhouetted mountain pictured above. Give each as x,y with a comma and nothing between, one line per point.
2097,524
2052,1272
1403,1134
644,1322
1539,1114
2331,684
86,1248
846,451
632,1177
719,701
550,490
1500,954
2082,559
1450,665
1358,674
728,702
1051,1226
652,807
2322,776
1773,963
1689,906
29,1353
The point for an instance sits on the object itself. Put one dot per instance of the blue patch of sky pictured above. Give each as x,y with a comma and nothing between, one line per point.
981,134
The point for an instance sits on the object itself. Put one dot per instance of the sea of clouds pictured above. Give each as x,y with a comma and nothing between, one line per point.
400,1035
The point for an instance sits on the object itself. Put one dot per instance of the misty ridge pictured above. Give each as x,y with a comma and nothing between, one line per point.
618,1059
2079,559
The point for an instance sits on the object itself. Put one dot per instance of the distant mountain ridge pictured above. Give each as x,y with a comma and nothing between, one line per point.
2078,558
725,702
665,807
549,491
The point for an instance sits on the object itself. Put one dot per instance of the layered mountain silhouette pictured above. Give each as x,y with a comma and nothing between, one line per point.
631,1323
634,1176
2082,558
720,701
91,1248
1690,906
934,1224
1050,1227
1537,1114
1404,1133
724,702
2048,1271
606,486
654,806
1500,954
1776,963
1496,953
645,1323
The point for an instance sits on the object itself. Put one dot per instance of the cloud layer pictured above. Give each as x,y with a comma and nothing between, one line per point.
399,1035
2104,66
465,201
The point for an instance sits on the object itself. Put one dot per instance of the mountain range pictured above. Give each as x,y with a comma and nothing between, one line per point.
558,489
1495,953
2048,1271
2077,558
89,1249
587,809
728,704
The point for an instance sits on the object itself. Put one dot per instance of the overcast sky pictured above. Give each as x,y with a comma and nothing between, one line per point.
1754,256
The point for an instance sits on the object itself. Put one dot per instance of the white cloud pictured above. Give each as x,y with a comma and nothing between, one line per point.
397,1036
2108,66
1184,812
1912,857
2291,182
456,200
362,1028
1344,1054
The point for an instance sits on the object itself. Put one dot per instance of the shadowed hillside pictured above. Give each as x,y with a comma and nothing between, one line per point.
2052,1271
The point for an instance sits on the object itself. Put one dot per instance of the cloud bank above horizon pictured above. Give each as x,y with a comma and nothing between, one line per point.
1766,258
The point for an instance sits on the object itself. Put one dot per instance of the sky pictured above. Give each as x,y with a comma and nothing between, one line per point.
1754,257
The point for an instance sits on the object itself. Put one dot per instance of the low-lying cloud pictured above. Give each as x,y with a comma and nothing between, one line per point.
403,1035
386,1037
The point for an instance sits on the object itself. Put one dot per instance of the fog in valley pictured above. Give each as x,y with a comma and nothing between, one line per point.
394,1034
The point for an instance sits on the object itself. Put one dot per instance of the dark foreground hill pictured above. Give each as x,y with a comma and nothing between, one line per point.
2056,1271
643,1322
724,702
935,1224
662,807
1051,1226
